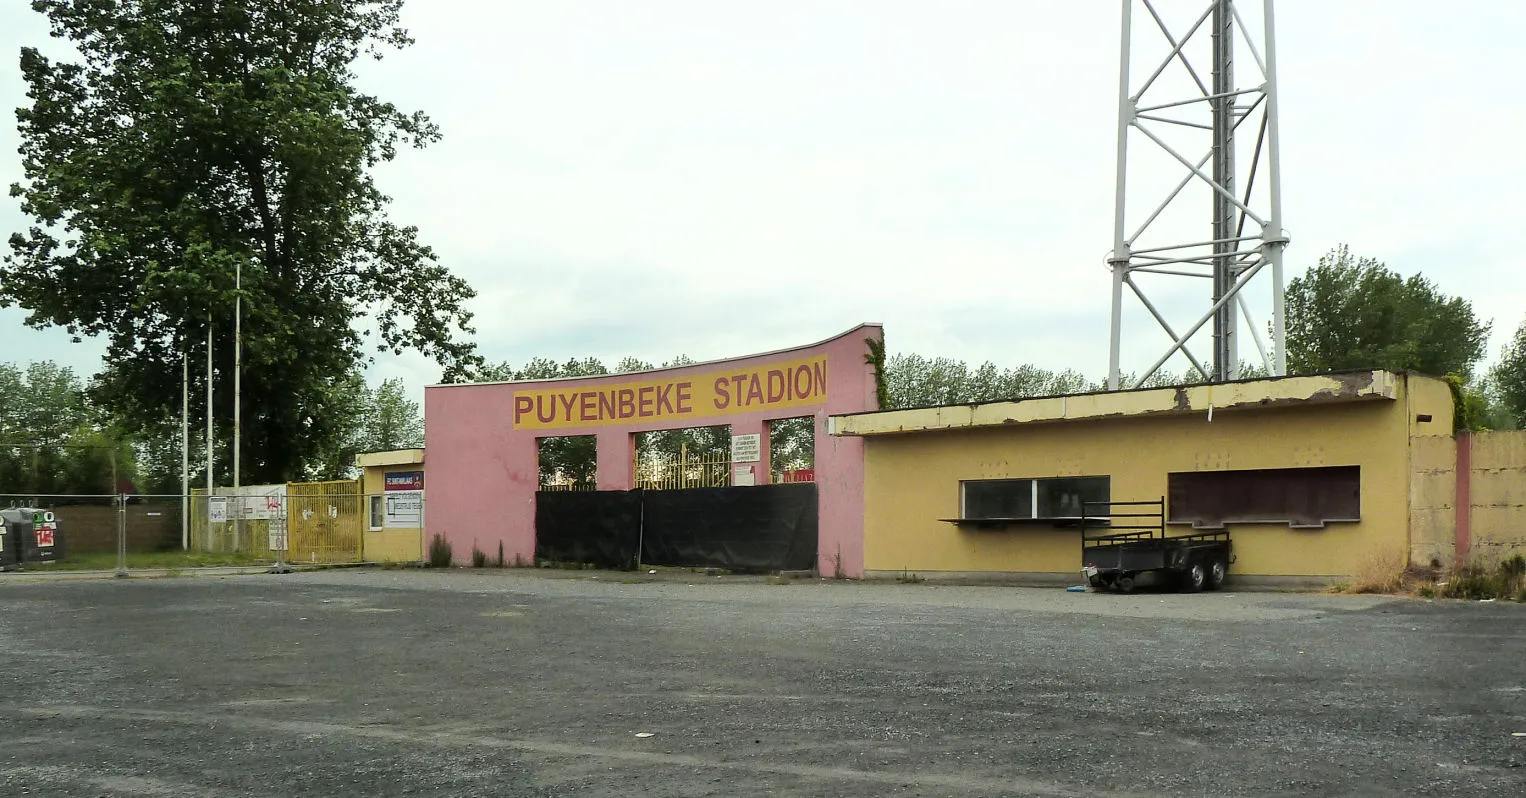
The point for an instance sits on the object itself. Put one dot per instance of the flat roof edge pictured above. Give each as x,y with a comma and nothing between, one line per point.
1272,393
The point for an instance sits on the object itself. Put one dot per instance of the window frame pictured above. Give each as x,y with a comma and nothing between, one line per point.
376,512
1033,498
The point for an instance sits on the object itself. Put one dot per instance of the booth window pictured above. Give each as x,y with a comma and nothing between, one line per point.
376,512
1298,497
1030,499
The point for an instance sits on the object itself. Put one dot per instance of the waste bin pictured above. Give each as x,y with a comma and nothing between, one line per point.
10,542
38,538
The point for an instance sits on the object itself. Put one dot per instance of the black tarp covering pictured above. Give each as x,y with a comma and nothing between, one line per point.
755,528
600,527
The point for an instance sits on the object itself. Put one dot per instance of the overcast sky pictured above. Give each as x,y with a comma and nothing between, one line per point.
717,179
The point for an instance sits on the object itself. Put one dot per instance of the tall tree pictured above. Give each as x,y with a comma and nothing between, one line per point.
393,420
196,138
1355,313
1508,379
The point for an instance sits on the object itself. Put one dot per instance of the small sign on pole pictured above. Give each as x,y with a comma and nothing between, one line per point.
746,448
217,509
278,533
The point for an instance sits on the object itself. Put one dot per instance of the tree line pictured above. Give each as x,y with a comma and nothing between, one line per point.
196,154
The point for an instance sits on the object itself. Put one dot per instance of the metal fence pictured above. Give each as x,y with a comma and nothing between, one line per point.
684,470
299,523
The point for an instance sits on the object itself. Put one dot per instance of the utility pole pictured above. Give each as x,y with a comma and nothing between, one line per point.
185,446
210,483
238,363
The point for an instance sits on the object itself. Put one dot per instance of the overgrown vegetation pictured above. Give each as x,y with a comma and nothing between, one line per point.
1505,580
1379,572
439,552
479,557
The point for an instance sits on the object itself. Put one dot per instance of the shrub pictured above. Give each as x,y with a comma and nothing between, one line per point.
439,552
499,562
479,557
1507,580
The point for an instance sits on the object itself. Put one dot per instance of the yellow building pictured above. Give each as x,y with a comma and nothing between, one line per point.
1312,476
393,484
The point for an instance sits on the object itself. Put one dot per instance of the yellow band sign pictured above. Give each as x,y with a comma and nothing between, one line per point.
695,396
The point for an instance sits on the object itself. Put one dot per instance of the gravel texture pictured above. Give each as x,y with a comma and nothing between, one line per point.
516,683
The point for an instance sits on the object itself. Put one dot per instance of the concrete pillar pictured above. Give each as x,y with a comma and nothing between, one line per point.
1464,502
760,469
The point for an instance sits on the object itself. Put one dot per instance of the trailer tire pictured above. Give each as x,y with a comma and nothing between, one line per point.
1217,570
1125,584
1194,576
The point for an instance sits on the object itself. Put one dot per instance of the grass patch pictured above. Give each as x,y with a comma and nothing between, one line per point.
151,559
909,578
479,558
1379,572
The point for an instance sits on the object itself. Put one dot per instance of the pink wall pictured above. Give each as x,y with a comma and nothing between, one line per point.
483,471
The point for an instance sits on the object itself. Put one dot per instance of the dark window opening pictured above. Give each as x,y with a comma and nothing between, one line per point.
1298,497
1035,499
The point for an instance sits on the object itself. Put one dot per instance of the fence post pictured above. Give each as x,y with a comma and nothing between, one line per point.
121,500
284,520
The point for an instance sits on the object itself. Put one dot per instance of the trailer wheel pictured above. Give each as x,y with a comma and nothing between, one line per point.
1217,570
1125,584
1194,577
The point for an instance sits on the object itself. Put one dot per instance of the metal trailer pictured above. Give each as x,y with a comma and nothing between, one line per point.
1139,544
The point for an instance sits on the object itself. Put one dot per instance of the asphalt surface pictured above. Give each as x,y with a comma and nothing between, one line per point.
509,683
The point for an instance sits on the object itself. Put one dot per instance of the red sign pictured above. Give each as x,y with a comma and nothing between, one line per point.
45,532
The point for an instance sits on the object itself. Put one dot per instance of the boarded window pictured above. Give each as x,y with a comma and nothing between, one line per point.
1036,499
1298,497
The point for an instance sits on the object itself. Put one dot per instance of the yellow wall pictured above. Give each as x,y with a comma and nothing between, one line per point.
391,544
913,479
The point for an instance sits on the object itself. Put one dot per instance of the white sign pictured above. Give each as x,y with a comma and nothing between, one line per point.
217,509
743,475
405,508
277,534
746,448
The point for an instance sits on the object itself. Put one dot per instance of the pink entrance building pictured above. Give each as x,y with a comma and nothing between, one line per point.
483,439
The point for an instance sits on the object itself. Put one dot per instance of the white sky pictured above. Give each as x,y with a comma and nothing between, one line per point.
717,179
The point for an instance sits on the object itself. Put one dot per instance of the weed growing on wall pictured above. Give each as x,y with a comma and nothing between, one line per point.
499,562
479,557
439,552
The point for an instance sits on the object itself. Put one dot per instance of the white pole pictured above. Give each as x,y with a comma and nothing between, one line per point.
209,406
1275,238
185,447
1119,259
238,358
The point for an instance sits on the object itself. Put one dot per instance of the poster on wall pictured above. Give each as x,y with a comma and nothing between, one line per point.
217,509
404,499
746,448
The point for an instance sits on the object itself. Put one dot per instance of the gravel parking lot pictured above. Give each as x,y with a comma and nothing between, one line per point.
515,683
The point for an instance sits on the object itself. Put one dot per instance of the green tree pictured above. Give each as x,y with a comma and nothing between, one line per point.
393,421
1508,379
196,138
51,440
1352,313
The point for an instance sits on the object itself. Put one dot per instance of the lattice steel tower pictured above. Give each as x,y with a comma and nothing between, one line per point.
1174,110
